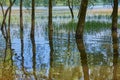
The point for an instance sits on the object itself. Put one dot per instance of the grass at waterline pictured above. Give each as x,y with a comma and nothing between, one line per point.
90,26
93,25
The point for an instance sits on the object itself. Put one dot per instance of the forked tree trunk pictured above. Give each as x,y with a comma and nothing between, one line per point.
71,8
81,21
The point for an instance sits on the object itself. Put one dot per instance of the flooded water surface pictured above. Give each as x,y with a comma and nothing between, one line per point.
61,57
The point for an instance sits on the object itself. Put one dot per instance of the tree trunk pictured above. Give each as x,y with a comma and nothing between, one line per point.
33,19
21,20
81,21
114,38
50,33
5,15
9,21
50,16
115,16
3,26
71,8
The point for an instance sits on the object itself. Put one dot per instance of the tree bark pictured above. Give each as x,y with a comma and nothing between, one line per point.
9,21
5,34
50,16
5,15
50,33
81,21
21,20
115,16
114,38
33,19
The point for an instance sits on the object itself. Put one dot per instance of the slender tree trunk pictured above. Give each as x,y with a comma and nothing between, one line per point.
21,20
3,33
33,18
114,37
115,16
50,16
9,21
71,8
5,15
50,33
33,39
3,26
81,21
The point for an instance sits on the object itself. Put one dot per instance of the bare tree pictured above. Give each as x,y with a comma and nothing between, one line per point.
3,26
70,5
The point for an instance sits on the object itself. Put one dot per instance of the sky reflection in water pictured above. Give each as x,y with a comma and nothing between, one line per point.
67,62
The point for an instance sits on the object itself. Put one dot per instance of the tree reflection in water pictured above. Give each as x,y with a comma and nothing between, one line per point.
51,53
83,56
8,72
115,55
34,57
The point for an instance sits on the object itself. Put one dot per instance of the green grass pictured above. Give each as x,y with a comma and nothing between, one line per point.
90,26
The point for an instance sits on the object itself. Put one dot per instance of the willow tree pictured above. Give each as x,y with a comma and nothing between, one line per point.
81,21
